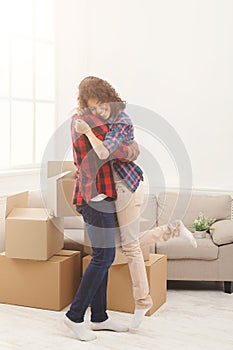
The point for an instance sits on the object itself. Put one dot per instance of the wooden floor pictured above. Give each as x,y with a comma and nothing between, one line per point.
196,316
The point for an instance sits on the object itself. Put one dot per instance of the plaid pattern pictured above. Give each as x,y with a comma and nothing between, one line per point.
121,131
94,176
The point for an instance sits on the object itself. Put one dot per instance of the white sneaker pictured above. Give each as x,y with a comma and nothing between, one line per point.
184,232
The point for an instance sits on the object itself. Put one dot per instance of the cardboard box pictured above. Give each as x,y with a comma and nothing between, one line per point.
50,284
56,167
7,203
19,200
31,233
120,292
120,257
60,188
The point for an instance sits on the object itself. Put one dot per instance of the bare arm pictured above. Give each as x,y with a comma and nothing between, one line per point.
83,128
99,147
103,153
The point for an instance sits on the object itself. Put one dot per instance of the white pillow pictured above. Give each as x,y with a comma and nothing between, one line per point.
223,232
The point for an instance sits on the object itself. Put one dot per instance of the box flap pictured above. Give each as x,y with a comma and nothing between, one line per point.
41,214
58,167
65,252
52,183
70,175
19,200
59,176
57,258
153,259
62,253
60,190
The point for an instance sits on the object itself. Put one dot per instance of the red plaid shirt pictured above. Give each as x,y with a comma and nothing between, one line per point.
94,176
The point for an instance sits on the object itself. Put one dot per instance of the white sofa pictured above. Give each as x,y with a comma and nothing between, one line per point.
212,260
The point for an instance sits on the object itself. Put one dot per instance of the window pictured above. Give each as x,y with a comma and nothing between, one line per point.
27,81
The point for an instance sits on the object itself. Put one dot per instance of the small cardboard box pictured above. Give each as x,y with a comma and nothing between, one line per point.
31,233
120,257
120,291
49,284
60,188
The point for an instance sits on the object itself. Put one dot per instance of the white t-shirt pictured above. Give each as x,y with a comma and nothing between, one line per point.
99,197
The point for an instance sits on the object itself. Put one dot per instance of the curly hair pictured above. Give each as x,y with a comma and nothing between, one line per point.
93,87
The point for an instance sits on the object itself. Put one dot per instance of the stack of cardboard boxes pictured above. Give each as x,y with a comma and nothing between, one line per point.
34,270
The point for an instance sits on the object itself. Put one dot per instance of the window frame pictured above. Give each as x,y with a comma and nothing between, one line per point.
34,166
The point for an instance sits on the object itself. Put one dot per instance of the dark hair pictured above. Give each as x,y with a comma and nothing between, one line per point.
93,87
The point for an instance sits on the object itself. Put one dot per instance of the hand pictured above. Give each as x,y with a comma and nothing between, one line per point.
133,152
81,126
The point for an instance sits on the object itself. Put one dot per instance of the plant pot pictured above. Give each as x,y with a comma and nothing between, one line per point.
200,234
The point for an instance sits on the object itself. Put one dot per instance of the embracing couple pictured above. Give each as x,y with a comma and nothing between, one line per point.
109,194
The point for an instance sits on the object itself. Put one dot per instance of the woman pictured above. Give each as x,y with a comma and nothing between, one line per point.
103,102
99,216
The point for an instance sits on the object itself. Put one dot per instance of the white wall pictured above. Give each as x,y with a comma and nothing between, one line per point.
71,56
174,57
71,63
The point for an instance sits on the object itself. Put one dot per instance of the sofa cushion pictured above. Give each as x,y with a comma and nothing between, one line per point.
174,205
76,235
223,232
179,248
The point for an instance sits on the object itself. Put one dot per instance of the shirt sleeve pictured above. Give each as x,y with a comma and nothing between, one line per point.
114,139
78,145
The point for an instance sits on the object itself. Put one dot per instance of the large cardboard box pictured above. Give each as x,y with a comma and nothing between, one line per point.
60,188
120,257
120,292
49,284
31,233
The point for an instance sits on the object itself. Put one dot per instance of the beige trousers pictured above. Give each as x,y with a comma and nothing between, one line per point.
128,208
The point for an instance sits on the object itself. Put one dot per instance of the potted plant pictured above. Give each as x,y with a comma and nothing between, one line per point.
201,225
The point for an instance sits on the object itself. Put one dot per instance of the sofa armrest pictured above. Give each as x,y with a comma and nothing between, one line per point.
223,232
75,222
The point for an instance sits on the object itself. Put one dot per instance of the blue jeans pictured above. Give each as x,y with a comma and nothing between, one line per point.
100,222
